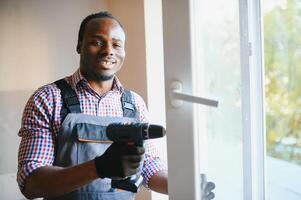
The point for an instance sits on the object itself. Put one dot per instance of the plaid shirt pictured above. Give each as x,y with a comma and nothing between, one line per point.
41,122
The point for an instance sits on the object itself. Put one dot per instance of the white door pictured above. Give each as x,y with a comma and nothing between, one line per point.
212,49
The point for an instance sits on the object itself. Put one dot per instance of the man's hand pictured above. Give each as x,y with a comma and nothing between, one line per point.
119,161
206,188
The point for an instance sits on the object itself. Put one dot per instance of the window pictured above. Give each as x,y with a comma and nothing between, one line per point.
250,145
214,49
217,73
283,100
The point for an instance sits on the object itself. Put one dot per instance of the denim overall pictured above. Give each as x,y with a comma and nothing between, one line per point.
83,137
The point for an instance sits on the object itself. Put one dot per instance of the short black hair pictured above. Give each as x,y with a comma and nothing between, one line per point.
102,14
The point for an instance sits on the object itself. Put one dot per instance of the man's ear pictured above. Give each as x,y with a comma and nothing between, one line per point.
78,47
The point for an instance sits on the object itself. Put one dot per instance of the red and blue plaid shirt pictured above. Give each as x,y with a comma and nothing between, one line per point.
41,122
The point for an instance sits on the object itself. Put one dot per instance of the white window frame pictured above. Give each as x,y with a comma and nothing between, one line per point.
181,142
183,158
252,100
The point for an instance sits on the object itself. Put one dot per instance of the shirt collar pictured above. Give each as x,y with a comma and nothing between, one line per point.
78,79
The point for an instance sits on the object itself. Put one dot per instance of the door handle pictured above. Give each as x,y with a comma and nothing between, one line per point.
177,97
207,188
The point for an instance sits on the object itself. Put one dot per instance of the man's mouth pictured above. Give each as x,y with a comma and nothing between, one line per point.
104,62
107,63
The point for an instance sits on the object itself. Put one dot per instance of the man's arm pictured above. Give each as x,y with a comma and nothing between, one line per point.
159,183
152,163
118,161
50,181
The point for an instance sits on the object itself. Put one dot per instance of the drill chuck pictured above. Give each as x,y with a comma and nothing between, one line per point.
136,132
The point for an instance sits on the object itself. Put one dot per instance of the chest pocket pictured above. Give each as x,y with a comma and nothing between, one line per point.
92,141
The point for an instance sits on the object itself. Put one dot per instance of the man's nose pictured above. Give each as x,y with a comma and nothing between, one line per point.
107,50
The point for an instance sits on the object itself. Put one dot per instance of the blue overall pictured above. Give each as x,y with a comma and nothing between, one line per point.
83,137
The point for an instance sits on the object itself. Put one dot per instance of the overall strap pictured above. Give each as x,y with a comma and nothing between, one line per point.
69,97
129,109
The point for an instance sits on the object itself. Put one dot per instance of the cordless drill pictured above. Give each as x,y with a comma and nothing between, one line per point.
132,133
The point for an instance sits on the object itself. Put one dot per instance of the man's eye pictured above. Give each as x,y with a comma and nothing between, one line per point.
96,43
117,45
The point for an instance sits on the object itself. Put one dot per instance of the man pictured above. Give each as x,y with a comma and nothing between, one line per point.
50,162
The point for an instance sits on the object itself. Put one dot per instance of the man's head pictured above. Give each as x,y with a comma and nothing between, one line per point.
101,41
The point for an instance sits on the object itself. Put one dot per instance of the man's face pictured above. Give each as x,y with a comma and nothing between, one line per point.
102,49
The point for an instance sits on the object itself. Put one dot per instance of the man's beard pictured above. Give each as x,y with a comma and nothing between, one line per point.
101,77
95,76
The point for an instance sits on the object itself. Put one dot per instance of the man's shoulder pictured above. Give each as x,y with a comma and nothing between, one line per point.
136,98
47,91
140,105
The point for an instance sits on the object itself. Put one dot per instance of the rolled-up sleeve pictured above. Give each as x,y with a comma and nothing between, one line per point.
152,161
37,139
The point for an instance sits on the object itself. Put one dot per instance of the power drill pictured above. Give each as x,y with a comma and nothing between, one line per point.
134,133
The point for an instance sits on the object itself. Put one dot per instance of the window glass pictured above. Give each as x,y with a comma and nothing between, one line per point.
282,49
217,74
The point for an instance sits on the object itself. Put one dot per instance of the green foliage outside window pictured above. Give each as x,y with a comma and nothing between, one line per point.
282,49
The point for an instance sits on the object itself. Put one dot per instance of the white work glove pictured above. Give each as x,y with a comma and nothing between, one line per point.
206,188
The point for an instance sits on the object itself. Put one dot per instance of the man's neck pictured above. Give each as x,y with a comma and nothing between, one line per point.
101,87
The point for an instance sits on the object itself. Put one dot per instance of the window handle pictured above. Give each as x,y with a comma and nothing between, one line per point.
177,97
